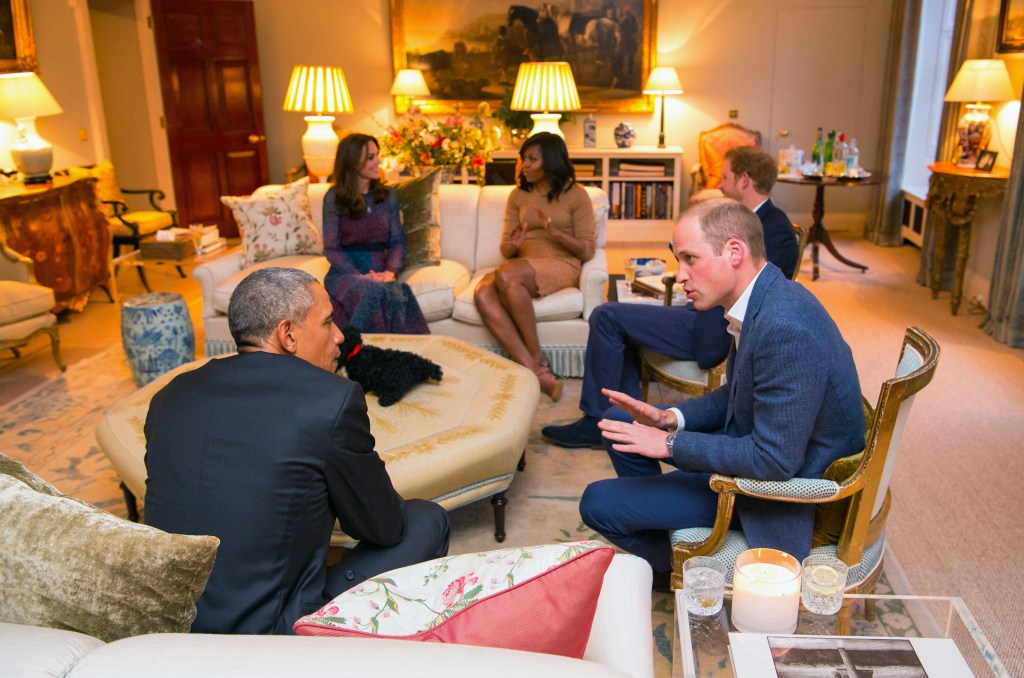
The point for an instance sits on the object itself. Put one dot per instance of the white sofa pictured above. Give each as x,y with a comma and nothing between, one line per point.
620,645
471,224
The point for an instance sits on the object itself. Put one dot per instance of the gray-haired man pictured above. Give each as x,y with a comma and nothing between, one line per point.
265,450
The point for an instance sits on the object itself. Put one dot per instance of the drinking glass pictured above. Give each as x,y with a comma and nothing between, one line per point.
703,585
823,584
630,271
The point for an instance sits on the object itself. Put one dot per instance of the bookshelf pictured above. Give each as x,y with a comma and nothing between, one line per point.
643,183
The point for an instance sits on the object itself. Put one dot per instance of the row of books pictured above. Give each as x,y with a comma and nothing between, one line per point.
585,169
637,200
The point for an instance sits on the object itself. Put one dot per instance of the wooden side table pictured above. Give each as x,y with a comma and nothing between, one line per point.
61,228
954,194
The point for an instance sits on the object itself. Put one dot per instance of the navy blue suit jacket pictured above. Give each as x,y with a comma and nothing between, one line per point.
710,340
264,451
792,406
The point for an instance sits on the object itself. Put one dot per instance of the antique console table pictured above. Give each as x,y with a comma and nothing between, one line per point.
61,228
954,194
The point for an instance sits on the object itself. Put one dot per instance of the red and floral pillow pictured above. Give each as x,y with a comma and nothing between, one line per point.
537,599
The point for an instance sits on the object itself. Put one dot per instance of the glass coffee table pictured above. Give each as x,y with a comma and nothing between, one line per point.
701,644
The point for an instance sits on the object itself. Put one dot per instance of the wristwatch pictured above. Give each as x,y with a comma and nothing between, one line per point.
670,440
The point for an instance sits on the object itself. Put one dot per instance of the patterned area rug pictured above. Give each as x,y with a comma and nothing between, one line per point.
51,431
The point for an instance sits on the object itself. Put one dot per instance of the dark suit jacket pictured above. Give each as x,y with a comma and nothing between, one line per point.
792,405
264,451
710,340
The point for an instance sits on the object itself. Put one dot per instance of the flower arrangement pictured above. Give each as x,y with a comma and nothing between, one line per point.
422,142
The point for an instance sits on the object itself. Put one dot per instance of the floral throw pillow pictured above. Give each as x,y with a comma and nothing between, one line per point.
276,223
536,599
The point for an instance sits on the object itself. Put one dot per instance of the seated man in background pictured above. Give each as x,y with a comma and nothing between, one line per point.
792,405
265,450
619,330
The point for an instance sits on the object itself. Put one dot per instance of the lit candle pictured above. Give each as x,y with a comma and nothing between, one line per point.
766,592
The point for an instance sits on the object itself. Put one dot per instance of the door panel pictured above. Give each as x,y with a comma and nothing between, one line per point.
212,98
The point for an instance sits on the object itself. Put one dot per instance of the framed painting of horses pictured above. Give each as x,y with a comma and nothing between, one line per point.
469,50
17,47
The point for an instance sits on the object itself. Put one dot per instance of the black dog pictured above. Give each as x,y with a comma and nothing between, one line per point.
385,371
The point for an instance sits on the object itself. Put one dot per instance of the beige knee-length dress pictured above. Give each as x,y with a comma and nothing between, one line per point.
571,212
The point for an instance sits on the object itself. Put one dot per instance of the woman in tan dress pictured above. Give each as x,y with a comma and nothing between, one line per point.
548,234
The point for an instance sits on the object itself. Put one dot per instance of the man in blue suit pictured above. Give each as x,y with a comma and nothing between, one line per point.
619,330
266,450
791,406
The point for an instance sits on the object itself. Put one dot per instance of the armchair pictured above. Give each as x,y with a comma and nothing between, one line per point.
853,497
685,375
25,307
127,226
712,146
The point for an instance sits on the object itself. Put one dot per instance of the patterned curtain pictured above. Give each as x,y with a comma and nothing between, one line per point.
1005,320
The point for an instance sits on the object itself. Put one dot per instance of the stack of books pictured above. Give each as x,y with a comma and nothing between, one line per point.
641,169
207,238
584,169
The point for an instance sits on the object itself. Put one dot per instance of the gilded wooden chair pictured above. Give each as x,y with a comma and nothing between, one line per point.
853,496
686,376
712,145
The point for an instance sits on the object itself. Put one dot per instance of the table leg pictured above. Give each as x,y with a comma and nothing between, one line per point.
819,234
939,254
963,247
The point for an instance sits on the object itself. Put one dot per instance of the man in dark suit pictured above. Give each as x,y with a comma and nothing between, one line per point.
792,404
619,330
265,450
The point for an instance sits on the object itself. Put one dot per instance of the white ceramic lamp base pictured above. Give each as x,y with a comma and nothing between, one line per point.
546,122
320,145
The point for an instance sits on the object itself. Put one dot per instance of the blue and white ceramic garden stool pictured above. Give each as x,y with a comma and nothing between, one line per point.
157,334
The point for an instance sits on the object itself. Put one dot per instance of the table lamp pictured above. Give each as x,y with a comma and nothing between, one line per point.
408,83
978,81
23,98
662,81
320,90
543,87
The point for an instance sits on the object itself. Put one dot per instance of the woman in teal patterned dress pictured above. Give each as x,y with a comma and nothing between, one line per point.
365,245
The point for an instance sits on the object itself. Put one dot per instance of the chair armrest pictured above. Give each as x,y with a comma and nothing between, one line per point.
15,266
593,278
213,273
156,196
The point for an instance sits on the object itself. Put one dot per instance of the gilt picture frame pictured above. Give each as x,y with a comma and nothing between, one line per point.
1011,26
17,46
470,50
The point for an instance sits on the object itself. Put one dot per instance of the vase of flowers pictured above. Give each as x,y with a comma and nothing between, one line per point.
421,143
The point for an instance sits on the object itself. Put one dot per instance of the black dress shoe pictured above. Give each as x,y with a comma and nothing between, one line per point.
581,433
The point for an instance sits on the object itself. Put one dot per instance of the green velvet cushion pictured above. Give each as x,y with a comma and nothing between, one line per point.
420,203
829,517
65,564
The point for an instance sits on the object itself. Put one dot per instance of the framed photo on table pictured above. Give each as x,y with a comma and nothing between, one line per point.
986,161
17,46
469,50
1011,26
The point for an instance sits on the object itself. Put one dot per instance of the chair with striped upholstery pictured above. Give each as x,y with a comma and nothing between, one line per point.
853,497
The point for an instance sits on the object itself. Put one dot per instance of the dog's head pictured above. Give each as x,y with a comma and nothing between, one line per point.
352,339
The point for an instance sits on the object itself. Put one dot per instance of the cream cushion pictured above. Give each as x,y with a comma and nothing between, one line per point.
20,300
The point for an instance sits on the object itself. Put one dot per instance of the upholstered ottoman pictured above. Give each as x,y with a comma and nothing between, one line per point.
453,442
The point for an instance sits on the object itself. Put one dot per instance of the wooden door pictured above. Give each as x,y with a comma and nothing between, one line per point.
210,78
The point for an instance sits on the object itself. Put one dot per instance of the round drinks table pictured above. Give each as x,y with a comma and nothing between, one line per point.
818,233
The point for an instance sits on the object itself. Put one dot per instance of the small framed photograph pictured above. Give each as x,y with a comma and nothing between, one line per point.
986,161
